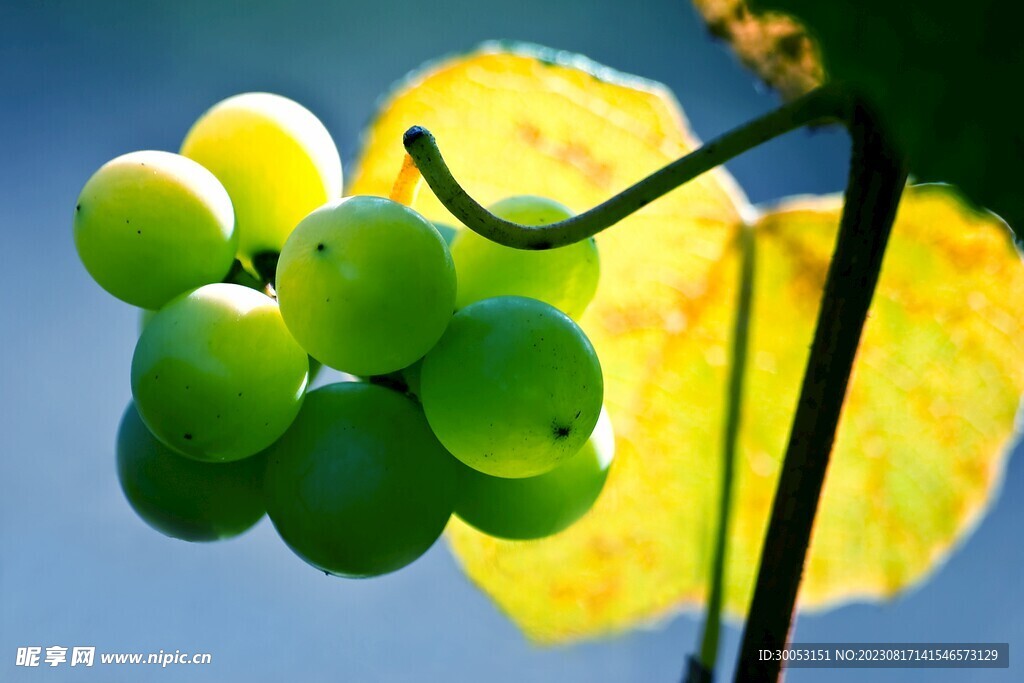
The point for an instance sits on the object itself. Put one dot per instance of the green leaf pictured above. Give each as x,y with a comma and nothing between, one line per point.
944,75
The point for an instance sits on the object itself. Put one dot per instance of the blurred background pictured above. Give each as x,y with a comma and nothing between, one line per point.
82,82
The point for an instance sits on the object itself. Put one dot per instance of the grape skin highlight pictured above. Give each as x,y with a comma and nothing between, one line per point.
366,285
359,486
151,225
276,159
535,507
565,277
216,375
184,498
513,388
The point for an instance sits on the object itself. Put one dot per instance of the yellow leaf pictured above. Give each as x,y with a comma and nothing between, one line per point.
930,412
773,45
931,407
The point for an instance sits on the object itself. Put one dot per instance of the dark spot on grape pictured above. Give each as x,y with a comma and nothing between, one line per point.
188,437
239,394
320,247
186,387
560,431
578,414
138,232
78,207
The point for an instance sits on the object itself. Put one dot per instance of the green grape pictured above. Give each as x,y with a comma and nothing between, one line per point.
151,225
359,486
565,277
366,285
216,375
534,507
183,498
513,388
144,315
276,160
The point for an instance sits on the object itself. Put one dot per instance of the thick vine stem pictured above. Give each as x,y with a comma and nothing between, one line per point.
820,105
877,178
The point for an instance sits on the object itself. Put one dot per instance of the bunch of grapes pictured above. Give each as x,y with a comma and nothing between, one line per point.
481,398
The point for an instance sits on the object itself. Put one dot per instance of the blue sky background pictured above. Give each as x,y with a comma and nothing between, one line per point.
81,82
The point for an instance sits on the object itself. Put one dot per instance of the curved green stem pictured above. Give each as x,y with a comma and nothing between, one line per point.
703,669
819,105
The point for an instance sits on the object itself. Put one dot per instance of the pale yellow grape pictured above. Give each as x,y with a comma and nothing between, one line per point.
276,159
150,225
